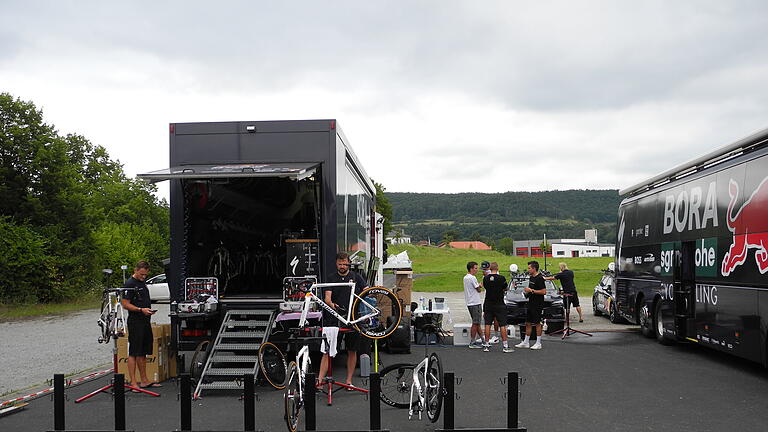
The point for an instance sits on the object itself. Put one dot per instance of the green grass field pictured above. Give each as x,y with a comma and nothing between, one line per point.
16,311
451,264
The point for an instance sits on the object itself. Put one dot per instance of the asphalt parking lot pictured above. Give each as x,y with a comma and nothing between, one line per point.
613,381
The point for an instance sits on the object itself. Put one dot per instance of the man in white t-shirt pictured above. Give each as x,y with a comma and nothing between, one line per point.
472,291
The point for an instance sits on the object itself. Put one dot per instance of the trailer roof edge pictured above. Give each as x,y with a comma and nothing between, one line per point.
705,161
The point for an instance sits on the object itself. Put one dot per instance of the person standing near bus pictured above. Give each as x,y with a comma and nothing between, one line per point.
536,291
494,309
569,288
139,307
472,291
336,297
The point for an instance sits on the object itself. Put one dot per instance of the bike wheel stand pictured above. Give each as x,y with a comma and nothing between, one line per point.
512,407
111,385
567,330
310,417
327,385
59,397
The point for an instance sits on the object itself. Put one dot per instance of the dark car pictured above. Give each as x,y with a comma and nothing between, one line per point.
517,303
604,298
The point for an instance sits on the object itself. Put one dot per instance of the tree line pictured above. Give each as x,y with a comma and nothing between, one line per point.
67,210
590,206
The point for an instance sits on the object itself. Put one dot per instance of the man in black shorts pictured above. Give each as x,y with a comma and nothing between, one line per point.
536,291
494,309
569,288
338,299
139,307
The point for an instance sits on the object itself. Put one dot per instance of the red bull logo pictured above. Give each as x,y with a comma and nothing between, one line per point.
749,227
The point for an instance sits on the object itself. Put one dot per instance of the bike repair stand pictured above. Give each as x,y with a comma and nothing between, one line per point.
111,385
327,385
567,330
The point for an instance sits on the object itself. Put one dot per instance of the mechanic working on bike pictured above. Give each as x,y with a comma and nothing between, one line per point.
566,279
139,307
338,298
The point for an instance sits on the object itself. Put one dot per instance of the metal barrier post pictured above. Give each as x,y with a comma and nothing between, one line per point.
186,402
58,402
375,400
119,389
310,422
448,399
512,402
249,410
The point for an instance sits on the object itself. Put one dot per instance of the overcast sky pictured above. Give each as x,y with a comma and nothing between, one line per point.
435,96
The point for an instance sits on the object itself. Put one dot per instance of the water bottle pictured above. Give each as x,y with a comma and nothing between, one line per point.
430,304
365,365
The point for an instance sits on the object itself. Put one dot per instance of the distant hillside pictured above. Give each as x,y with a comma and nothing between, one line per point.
581,205
511,215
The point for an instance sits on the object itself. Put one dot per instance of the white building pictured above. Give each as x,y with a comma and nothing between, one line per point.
398,237
582,249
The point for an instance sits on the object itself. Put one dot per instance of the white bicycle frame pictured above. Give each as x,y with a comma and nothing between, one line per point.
310,297
115,310
416,385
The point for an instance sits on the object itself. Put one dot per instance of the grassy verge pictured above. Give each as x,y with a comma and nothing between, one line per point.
15,311
451,264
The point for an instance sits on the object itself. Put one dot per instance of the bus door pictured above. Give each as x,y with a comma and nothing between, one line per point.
685,290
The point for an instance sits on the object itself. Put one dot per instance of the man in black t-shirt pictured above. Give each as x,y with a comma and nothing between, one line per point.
569,287
139,307
494,309
536,291
338,299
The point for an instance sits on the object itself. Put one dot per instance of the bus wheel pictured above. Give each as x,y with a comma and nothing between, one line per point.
658,320
646,324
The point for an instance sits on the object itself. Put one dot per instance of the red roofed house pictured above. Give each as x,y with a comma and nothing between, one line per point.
469,245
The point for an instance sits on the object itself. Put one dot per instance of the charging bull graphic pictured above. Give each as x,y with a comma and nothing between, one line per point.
752,223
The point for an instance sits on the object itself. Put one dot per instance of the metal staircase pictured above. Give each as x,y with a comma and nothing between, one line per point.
236,349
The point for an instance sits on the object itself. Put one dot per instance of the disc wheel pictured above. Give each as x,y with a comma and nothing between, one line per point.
272,365
293,400
198,360
375,300
396,381
434,388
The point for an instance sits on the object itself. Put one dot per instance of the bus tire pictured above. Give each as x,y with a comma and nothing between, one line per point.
658,325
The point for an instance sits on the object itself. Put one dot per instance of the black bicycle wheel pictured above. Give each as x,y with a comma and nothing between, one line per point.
434,390
396,381
376,299
198,360
104,321
272,365
292,397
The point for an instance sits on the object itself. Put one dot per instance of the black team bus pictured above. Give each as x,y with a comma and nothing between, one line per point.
693,251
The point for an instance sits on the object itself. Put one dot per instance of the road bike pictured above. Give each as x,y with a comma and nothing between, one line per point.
112,319
416,387
363,311
296,381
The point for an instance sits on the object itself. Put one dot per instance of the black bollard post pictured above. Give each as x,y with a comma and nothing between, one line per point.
374,397
512,390
449,399
119,387
186,403
58,402
310,422
249,410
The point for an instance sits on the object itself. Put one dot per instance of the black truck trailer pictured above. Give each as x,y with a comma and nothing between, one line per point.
252,203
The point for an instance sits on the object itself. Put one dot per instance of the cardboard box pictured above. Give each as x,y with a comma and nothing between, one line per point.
403,289
157,363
